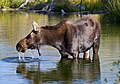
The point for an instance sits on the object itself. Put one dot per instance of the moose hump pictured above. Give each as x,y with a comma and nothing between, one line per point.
69,37
59,25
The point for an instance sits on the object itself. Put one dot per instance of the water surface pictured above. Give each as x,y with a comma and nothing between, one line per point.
51,70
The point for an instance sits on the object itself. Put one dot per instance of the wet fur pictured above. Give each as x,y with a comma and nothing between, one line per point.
69,37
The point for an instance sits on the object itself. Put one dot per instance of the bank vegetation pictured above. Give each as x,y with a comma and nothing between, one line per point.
111,7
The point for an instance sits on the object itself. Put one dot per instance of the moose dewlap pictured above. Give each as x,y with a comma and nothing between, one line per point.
69,37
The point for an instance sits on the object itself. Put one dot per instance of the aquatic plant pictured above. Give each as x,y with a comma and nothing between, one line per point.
113,7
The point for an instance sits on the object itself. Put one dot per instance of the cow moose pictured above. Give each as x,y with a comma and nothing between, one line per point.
69,37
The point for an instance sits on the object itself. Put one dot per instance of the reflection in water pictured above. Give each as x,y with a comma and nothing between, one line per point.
66,72
32,72
16,25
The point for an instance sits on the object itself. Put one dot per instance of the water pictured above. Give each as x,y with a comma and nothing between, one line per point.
50,69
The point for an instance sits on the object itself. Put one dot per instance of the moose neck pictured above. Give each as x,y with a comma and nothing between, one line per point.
52,38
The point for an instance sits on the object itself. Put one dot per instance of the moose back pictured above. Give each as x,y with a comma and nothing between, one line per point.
69,37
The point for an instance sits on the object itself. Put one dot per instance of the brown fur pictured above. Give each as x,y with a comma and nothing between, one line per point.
69,37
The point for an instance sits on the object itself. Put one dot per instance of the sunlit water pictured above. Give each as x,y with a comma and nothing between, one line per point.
50,69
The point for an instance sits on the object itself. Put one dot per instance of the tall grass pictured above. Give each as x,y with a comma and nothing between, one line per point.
4,3
17,3
93,5
66,5
10,3
114,11
74,5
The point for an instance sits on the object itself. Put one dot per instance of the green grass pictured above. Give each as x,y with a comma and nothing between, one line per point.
10,3
67,5
94,5
4,3
114,11
17,3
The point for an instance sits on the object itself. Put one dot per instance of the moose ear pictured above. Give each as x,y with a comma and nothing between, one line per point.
35,26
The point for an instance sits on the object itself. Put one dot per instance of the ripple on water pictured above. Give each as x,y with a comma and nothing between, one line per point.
16,60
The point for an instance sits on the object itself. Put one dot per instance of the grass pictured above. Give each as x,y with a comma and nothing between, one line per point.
4,3
67,5
93,5
70,6
17,3
114,11
10,3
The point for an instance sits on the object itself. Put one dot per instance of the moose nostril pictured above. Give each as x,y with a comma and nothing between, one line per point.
18,47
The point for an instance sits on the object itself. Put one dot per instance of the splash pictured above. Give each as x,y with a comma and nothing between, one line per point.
21,56
32,53
22,59
16,60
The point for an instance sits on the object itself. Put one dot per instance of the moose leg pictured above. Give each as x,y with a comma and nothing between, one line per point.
95,50
76,54
63,54
86,55
95,53
62,51
38,49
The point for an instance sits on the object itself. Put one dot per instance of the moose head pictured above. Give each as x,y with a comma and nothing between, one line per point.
31,41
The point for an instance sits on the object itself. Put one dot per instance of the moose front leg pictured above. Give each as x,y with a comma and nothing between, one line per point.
62,51
38,48
86,55
76,54
63,54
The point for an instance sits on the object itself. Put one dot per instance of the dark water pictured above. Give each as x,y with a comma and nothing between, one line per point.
50,69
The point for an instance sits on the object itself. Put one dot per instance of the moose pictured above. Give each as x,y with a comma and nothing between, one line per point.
69,37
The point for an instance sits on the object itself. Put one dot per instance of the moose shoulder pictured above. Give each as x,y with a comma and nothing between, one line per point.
69,37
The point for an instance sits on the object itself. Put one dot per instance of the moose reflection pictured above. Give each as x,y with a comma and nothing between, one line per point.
66,71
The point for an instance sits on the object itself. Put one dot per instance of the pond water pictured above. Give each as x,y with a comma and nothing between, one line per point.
50,69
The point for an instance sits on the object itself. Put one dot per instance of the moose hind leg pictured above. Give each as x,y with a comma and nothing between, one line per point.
95,50
86,55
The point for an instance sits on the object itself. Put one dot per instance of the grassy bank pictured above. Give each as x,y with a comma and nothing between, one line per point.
6,4
74,5
114,11
67,5
10,3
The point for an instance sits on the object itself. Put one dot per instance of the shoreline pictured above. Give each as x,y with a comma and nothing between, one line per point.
51,12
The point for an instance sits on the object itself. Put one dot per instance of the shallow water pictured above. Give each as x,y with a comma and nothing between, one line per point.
50,69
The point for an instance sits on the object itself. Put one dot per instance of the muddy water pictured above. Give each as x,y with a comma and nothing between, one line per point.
50,69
